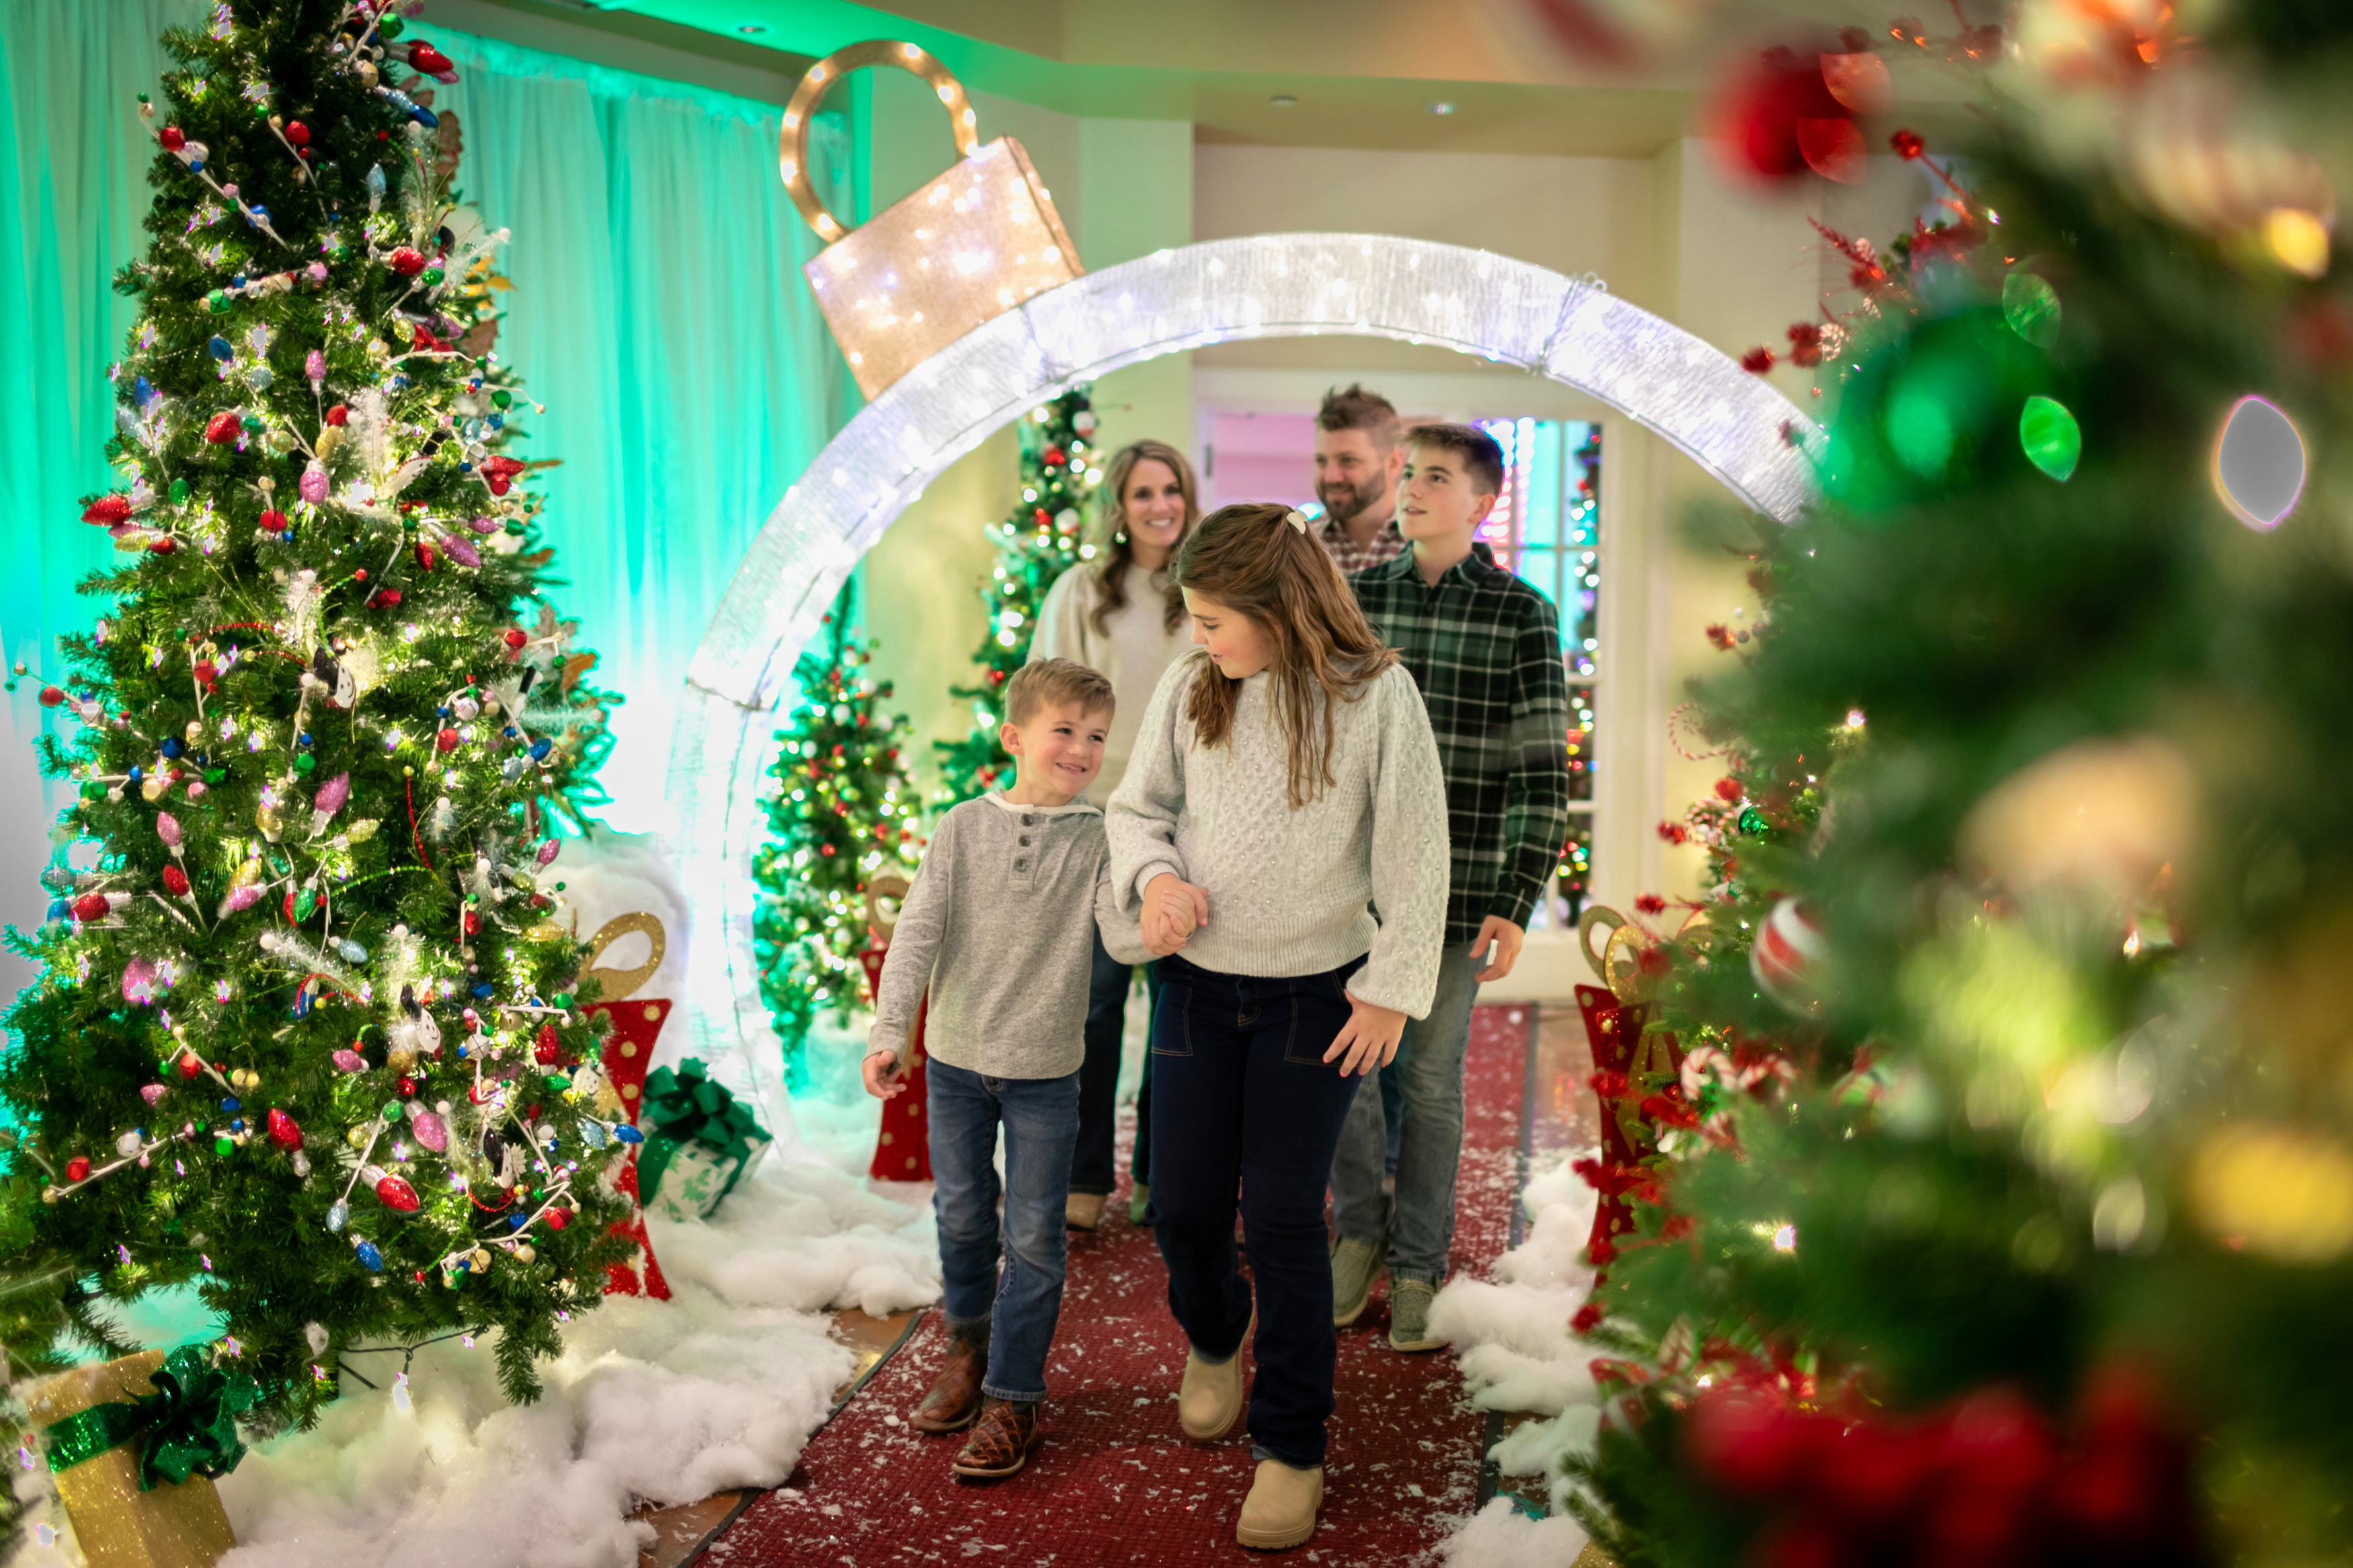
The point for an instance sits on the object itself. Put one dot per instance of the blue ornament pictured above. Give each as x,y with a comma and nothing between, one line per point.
59,909
134,775
482,993
626,1133
171,747
444,712
516,1222
237,1125
236,281
218,348
303,739
463,1053
593,1134
498,421
257,214
231,1105
541,747
370,1258
509,732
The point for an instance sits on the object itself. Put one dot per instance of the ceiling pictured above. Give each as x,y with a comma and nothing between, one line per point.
1318,73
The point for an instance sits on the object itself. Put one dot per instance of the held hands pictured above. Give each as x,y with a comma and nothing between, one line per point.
1369,1038
1507,939
884,1076
1173,907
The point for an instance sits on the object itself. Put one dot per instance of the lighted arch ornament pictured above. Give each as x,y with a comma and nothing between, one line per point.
1740,431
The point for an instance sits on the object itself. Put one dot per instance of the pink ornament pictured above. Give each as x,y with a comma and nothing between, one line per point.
196,789
431,1130
167,828
484,524
151,1092
240,899
143,980
314,363
318,272
313,484
549,850
349,1061
332,796
396,1194
460,552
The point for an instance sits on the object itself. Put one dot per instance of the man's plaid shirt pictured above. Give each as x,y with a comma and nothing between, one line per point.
1485,649
1350,556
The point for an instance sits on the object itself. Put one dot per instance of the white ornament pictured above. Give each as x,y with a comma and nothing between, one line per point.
1787,959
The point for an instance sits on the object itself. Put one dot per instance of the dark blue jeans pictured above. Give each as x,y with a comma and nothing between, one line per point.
1092,1166
1022,1304
1242,1098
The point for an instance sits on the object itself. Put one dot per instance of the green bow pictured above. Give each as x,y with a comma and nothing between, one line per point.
187,1427
686,1107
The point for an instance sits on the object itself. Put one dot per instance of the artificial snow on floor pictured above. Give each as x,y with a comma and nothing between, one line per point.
1510,1335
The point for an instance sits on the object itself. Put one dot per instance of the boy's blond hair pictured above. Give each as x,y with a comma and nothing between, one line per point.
1056,681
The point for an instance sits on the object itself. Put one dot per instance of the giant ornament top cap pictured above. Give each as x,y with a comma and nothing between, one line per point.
969,246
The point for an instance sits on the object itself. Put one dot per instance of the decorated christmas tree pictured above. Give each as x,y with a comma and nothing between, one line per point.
844,813
1036,544
2006,1207
306,1036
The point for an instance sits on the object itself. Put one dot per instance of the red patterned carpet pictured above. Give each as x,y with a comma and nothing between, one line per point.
1114,1482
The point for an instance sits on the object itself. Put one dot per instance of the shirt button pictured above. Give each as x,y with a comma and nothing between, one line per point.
1028,821
1025,841
1021,865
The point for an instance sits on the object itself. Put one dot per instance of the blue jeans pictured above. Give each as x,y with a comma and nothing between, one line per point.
1242,1098
1022,1304
1093,1165
1428,1066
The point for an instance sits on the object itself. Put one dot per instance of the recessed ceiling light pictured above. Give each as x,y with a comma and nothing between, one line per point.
1283,100
1441,107
753,28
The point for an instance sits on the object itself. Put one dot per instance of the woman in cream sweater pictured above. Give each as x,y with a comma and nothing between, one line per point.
1120,615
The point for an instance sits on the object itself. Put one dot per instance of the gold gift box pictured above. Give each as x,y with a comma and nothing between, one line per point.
969,246
117,1525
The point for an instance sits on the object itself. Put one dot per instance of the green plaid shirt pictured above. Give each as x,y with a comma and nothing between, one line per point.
1485,648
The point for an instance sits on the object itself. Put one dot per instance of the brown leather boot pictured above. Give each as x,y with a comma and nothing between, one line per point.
954,1402
1000,1445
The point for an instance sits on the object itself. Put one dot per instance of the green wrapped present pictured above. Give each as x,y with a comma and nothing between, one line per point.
699,1142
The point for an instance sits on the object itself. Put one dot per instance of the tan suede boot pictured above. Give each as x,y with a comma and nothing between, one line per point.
1209,1400
1084,1211
1281,1509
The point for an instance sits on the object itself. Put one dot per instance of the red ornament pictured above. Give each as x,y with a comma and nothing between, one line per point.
282,1130
513,638
473,923
207,674
163,546
1907,144
407,1086
408,262
499,473
78,1168
176,881
339,415
222,429
107,510
1757,361
424,557
558,1218
51,697
1780,118
273,521
384,599
424,57
1806,343
446,741
396,1194
172,137
189,1066
547,1047
91,907
298,133
1054,457
1588,1318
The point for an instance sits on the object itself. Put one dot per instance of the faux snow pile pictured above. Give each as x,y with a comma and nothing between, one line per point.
659,1402
1510,1336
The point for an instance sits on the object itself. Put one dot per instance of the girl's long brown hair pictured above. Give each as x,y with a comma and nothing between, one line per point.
1254,563
1119,551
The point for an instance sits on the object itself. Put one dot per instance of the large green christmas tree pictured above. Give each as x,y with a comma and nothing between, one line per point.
844,813
2007,1216
1037,542
307,1036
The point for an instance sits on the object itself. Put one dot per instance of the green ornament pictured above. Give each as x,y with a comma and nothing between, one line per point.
557,1082
2053,441
392,1110
433,276
2030,306
179,492
93,790
218,302
305,763
250,423
215,776
391,28
515,525
341,252
1753,823
502,398
563,999
304,902
224,1147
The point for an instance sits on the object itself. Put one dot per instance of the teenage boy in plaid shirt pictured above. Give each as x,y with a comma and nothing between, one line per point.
1485,649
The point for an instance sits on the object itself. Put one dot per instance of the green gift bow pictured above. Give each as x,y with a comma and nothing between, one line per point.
686,1107
187,1427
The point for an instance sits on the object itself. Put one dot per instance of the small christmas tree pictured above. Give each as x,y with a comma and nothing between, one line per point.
844,813
2012,1183
1040,542
306,1035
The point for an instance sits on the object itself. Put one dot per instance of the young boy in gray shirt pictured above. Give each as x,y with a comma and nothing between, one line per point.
1000,926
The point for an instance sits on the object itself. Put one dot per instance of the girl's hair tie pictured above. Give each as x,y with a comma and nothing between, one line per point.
1297,519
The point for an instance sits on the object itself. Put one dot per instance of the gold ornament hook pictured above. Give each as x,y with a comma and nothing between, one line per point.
792,143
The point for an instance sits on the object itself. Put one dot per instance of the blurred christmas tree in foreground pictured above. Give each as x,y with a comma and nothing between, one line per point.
844,812
306,1033
2008,1210
1035,546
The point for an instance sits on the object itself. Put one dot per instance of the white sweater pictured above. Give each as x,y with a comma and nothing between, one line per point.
1289,890
1133,654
